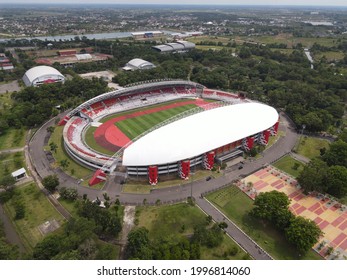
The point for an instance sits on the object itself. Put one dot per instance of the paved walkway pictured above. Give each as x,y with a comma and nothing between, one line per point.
234,231
15,150
300,158
50,197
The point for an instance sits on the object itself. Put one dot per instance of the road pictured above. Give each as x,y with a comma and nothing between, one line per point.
283,146
10,232
234,231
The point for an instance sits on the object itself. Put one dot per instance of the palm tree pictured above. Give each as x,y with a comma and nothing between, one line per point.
53,147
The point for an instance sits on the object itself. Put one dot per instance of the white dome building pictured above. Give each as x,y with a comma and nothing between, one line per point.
138,64
39,75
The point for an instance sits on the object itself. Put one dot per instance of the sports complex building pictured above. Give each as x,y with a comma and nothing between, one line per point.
218,126
40,75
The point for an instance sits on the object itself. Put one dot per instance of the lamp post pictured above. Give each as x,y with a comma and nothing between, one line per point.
298,142
191,185
302,131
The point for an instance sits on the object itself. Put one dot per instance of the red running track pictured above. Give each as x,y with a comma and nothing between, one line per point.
109,136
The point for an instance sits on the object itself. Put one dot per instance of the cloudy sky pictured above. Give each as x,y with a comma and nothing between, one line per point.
204,2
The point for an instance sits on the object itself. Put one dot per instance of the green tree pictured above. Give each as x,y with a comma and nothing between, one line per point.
303,234
208,219
337,154
50,129
53,147
270,205
223,225
7,251
210,237
19,210
343,134
295,166
64,163
312,176
245,52
138,245
51,182
48,247
336,181
68,193
7,181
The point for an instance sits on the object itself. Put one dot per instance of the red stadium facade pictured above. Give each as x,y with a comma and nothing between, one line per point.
132,97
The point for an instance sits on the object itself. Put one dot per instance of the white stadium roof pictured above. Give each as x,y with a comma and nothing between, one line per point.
139,63
38,72
199,133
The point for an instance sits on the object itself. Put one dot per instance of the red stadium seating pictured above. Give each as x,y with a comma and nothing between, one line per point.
110,102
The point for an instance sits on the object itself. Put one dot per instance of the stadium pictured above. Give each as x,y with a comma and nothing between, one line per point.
156,128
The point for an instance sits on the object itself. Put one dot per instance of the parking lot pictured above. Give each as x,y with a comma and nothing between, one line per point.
9,87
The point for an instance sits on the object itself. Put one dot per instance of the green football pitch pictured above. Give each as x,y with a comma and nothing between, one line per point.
133,127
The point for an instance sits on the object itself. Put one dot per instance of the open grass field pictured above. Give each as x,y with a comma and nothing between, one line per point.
290,40
330,56
167,221
13,138
215,39
287,163
236,205
111,249
11,162
133,127
206,48
5,100
70,206
309,146
37,211
74,169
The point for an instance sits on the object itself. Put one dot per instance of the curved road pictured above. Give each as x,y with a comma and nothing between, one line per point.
197,189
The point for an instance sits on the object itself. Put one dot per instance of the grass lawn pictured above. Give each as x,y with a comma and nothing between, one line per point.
136,126
167,220
10,162
215,39
236,205
142,187
74,169
13,138
330,56
37,211
69,206
286,164
5,100
310,146
111,249
291,41
206,48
